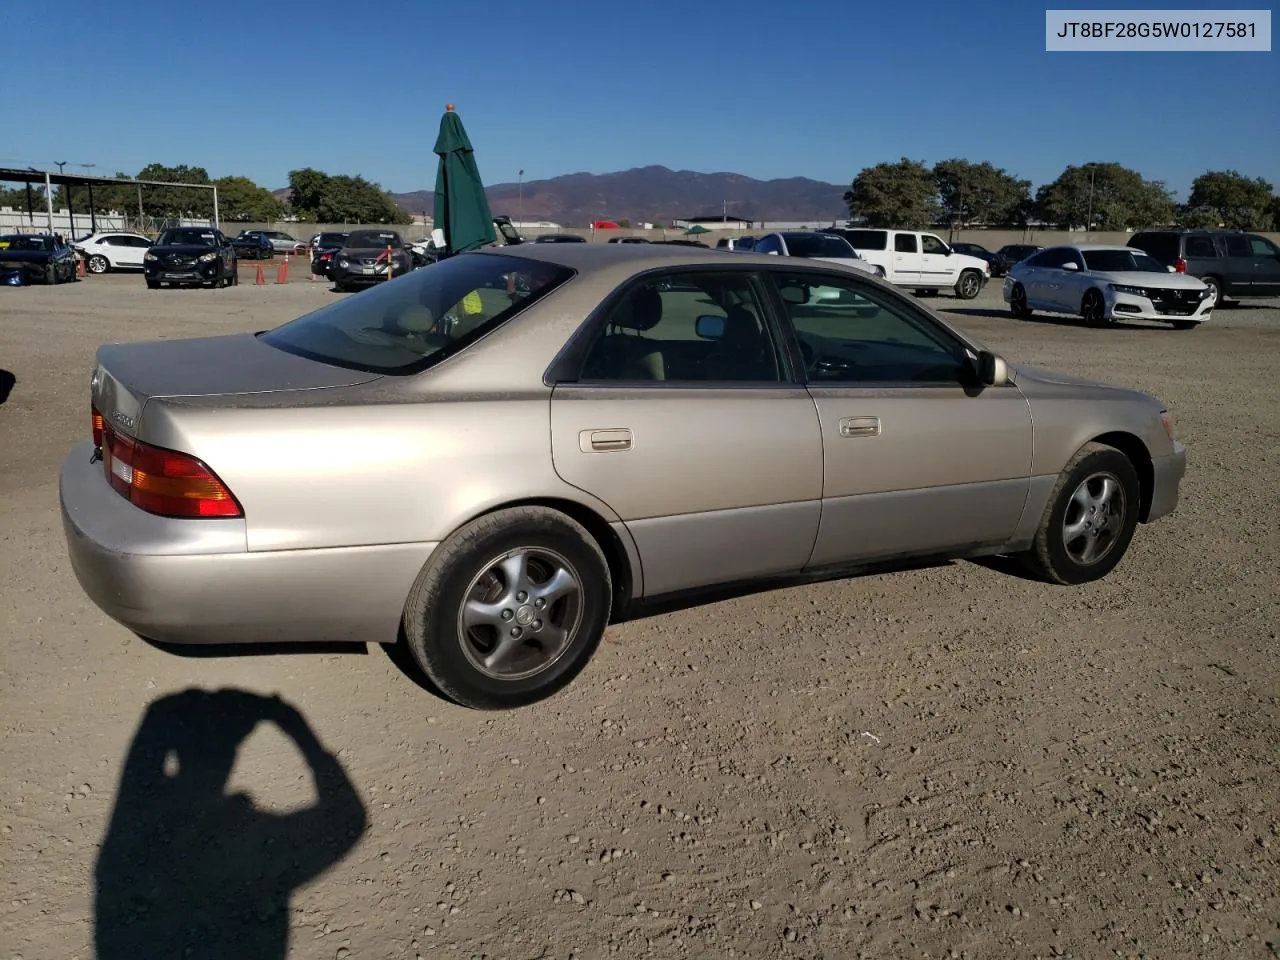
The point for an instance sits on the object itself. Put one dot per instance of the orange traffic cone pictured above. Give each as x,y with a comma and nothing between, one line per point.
80,268
261,278
282,271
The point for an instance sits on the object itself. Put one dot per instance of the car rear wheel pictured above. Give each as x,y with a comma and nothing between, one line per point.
1090,518
98,264
1018,302
1093,309
510,608
969,285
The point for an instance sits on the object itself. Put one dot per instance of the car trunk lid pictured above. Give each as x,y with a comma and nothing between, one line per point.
127,375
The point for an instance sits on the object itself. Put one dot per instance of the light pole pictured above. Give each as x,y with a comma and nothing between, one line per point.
1088,222
520,206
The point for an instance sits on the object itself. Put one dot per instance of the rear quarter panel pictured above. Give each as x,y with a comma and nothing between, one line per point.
359,473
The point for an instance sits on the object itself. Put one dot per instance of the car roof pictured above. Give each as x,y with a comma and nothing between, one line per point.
1086,247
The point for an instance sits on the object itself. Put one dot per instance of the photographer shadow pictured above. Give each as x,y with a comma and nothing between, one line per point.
188,870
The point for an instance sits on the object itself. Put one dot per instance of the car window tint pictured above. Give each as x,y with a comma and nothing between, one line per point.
411,323
905,243
1198,247
931,244
867,239
1262,247
850,332
1237,246
686,327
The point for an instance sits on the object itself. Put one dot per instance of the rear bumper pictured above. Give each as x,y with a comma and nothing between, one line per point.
194,581
1168,473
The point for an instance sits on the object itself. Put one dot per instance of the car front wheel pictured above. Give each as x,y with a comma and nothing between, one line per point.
1093,309
98,264
1090,518
510,608
969,285
1018,302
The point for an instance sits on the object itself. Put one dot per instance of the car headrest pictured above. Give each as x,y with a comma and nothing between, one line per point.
642,310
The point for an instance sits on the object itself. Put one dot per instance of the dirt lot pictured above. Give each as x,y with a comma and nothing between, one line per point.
949,762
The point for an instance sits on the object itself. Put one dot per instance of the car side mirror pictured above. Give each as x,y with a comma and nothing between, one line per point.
709,327
1171,269
794,295
993,371
1069,266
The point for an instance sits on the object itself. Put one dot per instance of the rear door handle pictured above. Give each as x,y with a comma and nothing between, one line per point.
605,441
851,427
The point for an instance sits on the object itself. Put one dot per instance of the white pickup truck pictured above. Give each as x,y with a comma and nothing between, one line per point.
921,261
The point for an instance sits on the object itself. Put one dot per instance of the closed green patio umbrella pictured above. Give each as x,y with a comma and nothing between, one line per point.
461,207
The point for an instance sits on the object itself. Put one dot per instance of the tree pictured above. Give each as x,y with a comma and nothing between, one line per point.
1104,196
901,194
325,198
1231,199
979,193
16,198
240,199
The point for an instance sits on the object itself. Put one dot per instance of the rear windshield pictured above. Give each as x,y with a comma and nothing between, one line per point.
374,238
1119,261
327,238
817,245
406,325
1019,253
867,239
188,237
17,241
1164,246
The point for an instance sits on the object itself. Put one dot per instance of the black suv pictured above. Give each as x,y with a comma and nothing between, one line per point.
191,256
1232,263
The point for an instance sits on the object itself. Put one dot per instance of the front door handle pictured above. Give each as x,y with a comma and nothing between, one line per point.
851,427
604,441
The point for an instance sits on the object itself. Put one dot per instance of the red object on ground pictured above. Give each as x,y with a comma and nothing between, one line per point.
282,271
261,278
80,267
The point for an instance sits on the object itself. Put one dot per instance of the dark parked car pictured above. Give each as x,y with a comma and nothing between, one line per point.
369,256
559,238
324,248
42,257
253,245
628,240
191,257
977,250
1231,263
1010,254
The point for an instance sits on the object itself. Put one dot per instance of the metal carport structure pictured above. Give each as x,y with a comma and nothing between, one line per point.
49,179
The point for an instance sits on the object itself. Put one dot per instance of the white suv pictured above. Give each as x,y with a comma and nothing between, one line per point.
921,261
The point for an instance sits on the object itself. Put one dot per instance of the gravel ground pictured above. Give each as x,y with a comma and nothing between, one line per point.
949,762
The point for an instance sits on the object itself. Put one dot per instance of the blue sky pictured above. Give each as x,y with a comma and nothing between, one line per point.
768,88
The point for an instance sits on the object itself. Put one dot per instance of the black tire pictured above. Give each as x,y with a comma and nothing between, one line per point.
447,653
1056,559
153,284
341,287
1093,309
1215,285
51,275
1018,302
969,285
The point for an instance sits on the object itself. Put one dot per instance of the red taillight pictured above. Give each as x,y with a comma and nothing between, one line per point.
164,482
326,256
97,426
1180,265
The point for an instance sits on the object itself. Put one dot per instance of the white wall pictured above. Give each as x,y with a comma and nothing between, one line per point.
12,221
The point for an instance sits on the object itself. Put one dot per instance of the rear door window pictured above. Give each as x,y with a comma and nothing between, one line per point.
1237,246
1199,248
904,243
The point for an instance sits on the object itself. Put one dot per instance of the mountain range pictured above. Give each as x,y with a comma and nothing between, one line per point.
655,194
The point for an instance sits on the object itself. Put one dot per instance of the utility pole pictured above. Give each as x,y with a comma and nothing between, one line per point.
1088,222
520,207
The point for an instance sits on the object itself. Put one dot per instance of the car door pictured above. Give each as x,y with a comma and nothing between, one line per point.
916,461
129,251
1237,265
1266,267
905,267
687,421
937,265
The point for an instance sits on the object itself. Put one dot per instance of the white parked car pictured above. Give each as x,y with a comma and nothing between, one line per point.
1106,283
921,261
103,252
812,246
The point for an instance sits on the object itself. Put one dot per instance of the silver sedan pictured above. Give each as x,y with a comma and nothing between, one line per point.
495,455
